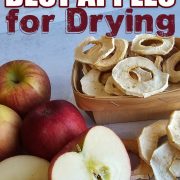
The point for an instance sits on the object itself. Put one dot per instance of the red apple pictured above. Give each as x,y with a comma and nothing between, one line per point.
10,124
99,154
23,85
49,127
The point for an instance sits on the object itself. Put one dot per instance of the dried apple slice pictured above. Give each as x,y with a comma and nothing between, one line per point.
175,166
158,62
91,85
161,161
118,54
148,140
131,53
104,77
173,129
169,67
143,170
173,51
111,88
138,87
103,47
148,44
85,68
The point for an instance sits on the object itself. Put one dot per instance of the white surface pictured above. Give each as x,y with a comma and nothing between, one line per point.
54,51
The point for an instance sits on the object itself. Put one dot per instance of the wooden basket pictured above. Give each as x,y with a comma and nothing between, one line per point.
114,109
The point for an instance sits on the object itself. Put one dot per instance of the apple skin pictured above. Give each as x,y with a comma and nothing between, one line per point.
23,85
75,145
49,127
10,124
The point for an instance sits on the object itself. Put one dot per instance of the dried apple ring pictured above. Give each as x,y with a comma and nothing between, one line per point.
85,68
143,170
169,67
158,62
149,137
139,88
175,166
161,161
90,84
173,129
104,77
130,53
111,88
173,51
118,54
103,47
148,44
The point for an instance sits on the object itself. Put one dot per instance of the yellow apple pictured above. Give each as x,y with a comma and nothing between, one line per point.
10,123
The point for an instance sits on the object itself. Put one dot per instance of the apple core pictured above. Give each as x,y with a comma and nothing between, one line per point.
98,170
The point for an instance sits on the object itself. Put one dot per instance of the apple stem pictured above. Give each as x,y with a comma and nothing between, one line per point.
78,148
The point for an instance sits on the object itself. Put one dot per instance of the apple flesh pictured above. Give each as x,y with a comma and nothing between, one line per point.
23,85
24,167
10,123
102,157
49,127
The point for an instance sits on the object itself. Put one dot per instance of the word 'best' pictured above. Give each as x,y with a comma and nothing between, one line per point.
89,3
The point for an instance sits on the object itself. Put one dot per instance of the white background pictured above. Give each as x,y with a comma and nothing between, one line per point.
54,51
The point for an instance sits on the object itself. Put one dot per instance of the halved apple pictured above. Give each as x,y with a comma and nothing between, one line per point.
100,155
24,167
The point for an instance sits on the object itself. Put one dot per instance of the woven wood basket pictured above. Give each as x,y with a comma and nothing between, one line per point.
114,109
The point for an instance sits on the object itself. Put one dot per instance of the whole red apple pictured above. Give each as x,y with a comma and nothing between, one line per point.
49,127
10,123
23,85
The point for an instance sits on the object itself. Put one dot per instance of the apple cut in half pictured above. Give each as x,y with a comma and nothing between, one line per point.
100,155
24,167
